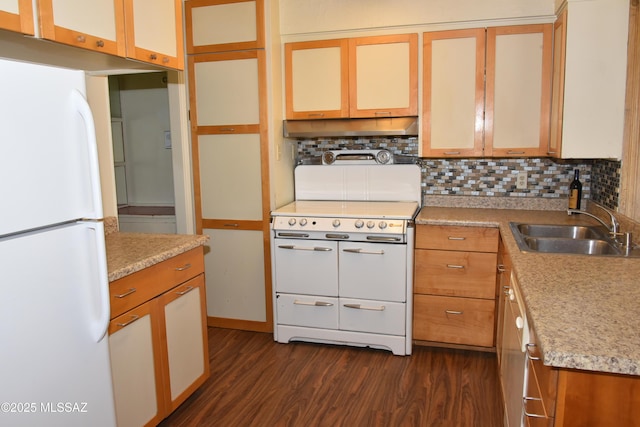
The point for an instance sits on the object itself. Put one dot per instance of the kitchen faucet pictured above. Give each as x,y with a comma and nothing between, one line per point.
613,227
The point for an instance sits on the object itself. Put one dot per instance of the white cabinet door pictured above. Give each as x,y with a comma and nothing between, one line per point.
17,15
97,25
235,275
518,90
454,64
186,334
383,76
218,26
316,79
154,31
134,366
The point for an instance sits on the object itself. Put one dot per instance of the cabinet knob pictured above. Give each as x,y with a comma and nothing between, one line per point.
153,56
81,39
100,43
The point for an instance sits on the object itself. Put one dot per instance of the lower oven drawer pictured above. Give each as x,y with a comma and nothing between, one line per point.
381,317
307,310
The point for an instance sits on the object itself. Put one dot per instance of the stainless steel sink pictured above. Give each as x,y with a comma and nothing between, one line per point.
567,239
563,231
571,246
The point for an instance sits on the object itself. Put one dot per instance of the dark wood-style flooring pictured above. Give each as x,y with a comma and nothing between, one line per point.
258,382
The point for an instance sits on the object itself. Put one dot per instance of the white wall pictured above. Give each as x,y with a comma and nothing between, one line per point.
316,16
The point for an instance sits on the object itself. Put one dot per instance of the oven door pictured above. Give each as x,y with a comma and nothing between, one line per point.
376,271
307,267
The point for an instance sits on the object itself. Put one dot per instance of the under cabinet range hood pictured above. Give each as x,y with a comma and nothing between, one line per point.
387,126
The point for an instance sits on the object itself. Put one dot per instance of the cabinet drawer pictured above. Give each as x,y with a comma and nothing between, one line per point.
139,287
450,273
466,321
455,238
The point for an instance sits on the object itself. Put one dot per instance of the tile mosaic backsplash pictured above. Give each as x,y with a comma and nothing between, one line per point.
494,177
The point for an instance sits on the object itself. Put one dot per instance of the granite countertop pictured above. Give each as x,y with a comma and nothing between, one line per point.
131,252
584,309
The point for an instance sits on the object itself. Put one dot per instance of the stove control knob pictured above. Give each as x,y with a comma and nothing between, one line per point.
382,225
336,223
371,224
359,223
303,222
292,221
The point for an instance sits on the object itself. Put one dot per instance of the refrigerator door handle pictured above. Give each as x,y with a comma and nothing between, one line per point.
82,107
99,322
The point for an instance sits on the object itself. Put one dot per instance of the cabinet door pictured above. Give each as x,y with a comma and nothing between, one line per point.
518,90
557,94
17,15
97,25
185,323
154,32
135,368
224,25
383,76
317,79
453,98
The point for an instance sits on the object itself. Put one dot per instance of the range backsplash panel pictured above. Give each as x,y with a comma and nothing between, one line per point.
494,177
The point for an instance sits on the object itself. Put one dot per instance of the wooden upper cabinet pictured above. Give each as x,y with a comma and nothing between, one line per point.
453,99
17,15
154,32
383,76
224,25
496,108
360,77
96,25
590,80
518,90
317,79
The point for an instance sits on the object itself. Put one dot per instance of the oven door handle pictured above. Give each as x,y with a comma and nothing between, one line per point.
304,248
364,307
362,251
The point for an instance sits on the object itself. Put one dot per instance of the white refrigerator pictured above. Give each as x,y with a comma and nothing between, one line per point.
54,292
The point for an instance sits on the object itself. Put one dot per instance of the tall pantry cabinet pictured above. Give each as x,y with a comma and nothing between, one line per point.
228,112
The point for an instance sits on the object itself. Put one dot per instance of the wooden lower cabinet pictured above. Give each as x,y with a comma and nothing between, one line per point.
159,352
454,300
453,320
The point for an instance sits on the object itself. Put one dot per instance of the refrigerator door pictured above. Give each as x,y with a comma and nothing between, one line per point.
48,157
54,312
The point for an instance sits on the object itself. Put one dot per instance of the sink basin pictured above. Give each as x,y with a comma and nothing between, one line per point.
571,246
563,231
567,239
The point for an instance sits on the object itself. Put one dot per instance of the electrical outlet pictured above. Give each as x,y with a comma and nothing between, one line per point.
521,180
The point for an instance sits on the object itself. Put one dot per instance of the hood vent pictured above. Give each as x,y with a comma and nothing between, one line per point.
388,126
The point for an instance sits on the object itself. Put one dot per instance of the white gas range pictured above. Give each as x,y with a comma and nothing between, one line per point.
343,252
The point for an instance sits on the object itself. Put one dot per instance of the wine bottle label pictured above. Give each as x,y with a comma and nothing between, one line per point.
573,199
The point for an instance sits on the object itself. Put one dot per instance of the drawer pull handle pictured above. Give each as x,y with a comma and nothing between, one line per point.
451,152
314,303
362,251
501,268
457,238
455,266
186,291
153,56
126,294
383,113
81,39
134,317
100,43
530,347
456,312
316,115
184,267
364,307
231,225
227,129
524,405
515,152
